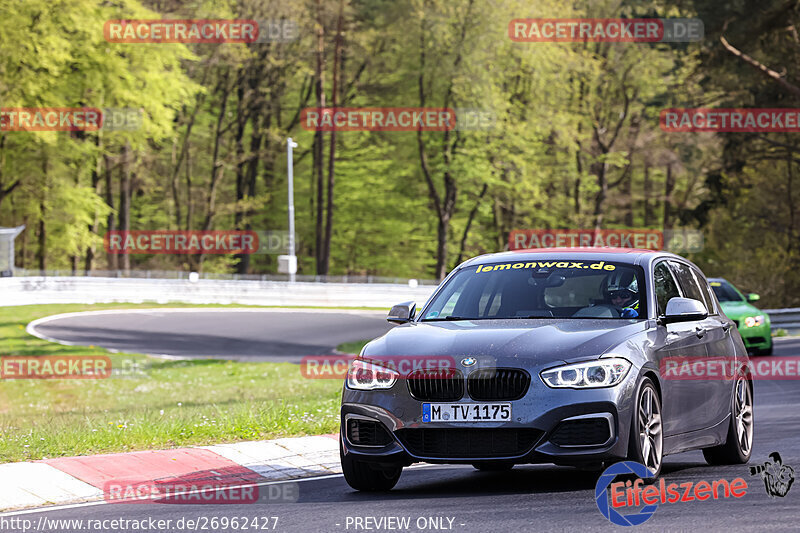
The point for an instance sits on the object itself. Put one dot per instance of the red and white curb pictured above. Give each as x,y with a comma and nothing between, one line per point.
83,479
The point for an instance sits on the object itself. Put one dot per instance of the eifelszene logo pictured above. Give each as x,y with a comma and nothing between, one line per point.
778,477
608,505
643,499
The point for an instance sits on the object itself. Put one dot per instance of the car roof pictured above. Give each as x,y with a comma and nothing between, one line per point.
634,256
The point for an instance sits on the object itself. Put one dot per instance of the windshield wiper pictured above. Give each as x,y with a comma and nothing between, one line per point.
443,318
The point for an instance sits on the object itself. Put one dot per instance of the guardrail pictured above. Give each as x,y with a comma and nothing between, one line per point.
788,319
91,290
173,274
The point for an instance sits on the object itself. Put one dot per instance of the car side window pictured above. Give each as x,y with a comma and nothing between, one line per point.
689,283
665,285
706,290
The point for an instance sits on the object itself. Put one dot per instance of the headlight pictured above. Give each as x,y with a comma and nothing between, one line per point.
601,373
753,321
363,375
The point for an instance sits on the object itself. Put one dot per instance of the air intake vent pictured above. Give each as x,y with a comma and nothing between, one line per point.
362,432
583,432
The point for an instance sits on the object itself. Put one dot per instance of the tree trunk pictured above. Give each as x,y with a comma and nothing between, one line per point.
648,207
600,201
125,200
241,161
185,153
189,202
253,160
94,227
337,60
789,179
5,191
668,188
318,141
443,206
470,218
176,199
441,248
216,164
629,221
576,192
41,253
111,223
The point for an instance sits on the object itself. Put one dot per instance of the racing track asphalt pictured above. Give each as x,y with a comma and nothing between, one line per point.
529,498
245,334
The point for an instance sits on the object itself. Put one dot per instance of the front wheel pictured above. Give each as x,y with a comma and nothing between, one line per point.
646,444
739,442
368,477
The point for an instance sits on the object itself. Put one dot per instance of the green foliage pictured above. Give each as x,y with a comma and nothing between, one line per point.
575,140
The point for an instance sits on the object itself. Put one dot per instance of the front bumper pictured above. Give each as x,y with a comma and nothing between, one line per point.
528,438
756,338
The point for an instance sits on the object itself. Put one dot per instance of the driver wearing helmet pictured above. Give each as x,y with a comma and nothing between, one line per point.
622,292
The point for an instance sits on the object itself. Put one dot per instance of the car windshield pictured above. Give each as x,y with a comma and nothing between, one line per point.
542,289
725,292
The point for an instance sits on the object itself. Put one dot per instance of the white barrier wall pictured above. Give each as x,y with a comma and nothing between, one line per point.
89,290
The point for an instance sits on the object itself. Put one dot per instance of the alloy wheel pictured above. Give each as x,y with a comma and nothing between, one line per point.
650,435
743,411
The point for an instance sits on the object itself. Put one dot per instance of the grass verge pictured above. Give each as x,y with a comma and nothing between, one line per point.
352,347
150,403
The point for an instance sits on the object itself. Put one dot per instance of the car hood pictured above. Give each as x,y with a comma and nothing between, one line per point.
539,341
739,310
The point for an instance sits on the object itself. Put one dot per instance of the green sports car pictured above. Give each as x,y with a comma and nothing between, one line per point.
753,323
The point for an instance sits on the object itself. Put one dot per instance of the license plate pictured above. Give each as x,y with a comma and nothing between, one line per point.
466,412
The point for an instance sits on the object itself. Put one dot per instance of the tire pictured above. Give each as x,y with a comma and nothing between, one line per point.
368,477
646,443
738,446
766,351
493,466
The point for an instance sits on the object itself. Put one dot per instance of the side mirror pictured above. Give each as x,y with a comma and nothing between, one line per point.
753,297
402,313
684,310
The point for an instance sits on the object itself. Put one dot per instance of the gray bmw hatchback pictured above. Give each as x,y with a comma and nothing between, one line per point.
572,356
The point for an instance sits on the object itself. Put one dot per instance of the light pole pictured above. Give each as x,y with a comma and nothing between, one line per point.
292,257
